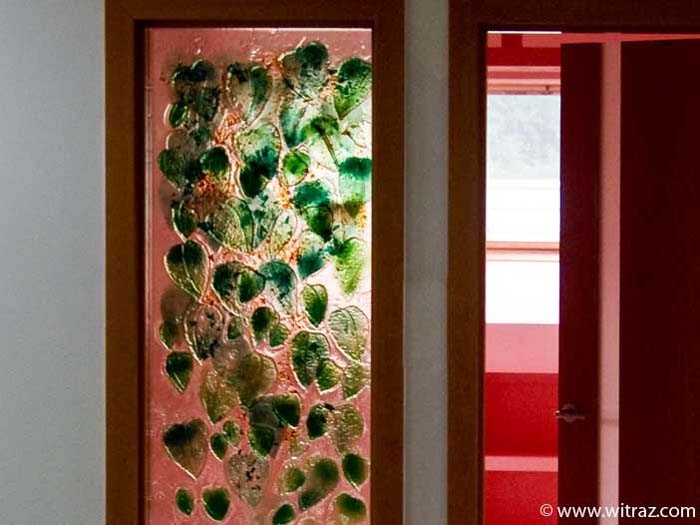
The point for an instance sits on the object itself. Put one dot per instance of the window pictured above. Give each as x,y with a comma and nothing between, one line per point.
523,168
522,208
258,341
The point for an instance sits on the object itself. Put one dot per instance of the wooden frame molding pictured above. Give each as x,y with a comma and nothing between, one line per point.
470,20
125,23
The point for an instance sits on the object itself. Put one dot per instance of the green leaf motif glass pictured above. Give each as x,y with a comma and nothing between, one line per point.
258,354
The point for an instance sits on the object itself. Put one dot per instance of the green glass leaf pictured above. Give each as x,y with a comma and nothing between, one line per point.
217,395
313,201
177,114
353,84
309,351
196,86
323,126
206,103
259,150
186,445
282,233
295,167
284,515
262,439
225,283
262,413
248,473
201,137
314,193
232,433
352,508
275,227
278,334
292,114
328,375
262,320
264,217
234,281
204,325
319,219
219,445
248,88
280,283
322,478
315,298
184,501
191,141
350,258
305,70
185,83
287,408
174,307
250,284
227,355
178,366
215,164
187,266
318,420
254,376
189,80
349,327
169,333
216,502
174,166
311,121
292,479
347,428
179,162
355,181
235,327
202,71
231,225
310,257
184,219
355,379
356,469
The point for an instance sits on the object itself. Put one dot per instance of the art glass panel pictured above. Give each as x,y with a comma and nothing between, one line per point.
257,356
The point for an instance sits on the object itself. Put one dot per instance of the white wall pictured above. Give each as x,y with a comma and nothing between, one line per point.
52,268
52,264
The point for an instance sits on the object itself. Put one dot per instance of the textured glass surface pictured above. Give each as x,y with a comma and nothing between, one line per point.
259,163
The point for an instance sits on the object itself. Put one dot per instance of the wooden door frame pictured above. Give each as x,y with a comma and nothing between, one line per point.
125,24
470,20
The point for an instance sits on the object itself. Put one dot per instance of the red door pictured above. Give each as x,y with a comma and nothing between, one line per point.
658,289
579,275
660,276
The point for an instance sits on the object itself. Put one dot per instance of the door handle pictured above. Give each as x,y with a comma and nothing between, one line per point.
569,413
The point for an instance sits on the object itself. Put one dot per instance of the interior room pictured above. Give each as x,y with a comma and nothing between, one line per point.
401,262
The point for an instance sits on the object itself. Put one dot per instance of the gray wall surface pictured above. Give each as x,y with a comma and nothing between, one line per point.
52,269
425,361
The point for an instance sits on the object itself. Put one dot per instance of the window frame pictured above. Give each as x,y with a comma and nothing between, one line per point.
125,233
470,22
522,71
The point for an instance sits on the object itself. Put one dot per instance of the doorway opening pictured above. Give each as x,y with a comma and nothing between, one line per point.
522,275
553,267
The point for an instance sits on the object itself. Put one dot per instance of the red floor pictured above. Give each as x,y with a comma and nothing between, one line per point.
521,432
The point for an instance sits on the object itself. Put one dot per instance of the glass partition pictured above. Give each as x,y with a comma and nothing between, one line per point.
258,236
